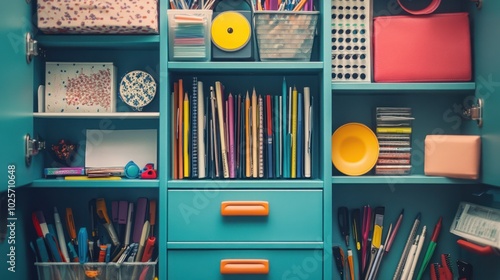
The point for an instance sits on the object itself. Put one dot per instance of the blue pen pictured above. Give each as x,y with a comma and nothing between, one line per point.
42,249
300,137
108,252
50,239
286,138
83,245
269,114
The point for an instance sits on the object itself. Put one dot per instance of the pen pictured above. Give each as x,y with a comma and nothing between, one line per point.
254,136
351,263
70,226
410,259
186,135
142,242
394,232
152,216
269,137
356,233
60,235
404,255
430,249
148,251
82,247
232,152
417,253
248,165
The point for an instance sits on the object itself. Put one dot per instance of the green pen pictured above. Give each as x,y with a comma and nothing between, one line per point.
430,249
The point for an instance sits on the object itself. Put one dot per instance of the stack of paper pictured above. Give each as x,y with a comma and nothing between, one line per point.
189,37
394,128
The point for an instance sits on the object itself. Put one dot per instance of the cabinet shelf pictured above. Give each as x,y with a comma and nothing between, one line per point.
99,41
124,183
392,88
238,66
411,179
119,115
245,184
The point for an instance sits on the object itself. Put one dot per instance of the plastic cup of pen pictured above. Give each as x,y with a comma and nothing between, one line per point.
96,271
189,35
285,35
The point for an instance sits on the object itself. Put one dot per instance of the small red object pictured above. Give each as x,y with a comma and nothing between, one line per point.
148,172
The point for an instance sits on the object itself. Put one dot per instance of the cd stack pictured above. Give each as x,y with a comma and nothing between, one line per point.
394,127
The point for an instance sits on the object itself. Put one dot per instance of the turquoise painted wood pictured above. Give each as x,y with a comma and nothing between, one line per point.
487,77
283,264
16,106
195,216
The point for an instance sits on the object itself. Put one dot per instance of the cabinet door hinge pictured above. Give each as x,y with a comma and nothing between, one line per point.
31,47
33,147
475,112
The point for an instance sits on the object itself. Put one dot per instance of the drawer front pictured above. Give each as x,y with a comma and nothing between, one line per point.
245,264
245,215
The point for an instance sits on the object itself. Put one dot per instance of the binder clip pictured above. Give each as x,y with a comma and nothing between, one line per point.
148,172
442,271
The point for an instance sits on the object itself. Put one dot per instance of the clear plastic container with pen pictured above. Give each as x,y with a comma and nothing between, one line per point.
96,271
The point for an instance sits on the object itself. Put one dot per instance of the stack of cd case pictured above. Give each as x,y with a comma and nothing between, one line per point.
189,34
394,129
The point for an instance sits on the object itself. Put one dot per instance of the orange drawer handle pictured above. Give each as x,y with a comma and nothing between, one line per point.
244,208
244,266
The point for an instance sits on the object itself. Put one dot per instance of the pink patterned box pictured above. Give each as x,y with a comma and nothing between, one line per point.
98,16
72,87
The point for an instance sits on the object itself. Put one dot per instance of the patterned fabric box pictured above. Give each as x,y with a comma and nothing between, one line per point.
80,87
98,16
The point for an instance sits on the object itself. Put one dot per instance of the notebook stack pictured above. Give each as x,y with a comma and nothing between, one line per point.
394,128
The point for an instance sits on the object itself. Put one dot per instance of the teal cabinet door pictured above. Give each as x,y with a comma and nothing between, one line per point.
16,91
486,41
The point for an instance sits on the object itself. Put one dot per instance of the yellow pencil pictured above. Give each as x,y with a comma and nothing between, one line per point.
248,162
254,135
186,135
293,170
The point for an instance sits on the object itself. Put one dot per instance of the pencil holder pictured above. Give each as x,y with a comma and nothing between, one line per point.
77,271
284,35
189,35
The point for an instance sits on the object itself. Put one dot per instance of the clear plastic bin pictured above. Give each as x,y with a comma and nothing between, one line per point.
189,35
96,271
285,35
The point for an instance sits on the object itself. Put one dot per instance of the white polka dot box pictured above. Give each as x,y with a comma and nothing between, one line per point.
98,16
80,87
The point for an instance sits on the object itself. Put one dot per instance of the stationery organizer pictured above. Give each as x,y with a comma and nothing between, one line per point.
97,270
351,44
189,34
285,35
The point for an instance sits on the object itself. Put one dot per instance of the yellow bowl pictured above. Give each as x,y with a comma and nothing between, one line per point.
355,149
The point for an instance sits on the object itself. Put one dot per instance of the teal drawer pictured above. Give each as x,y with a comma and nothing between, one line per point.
293,215
245,264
